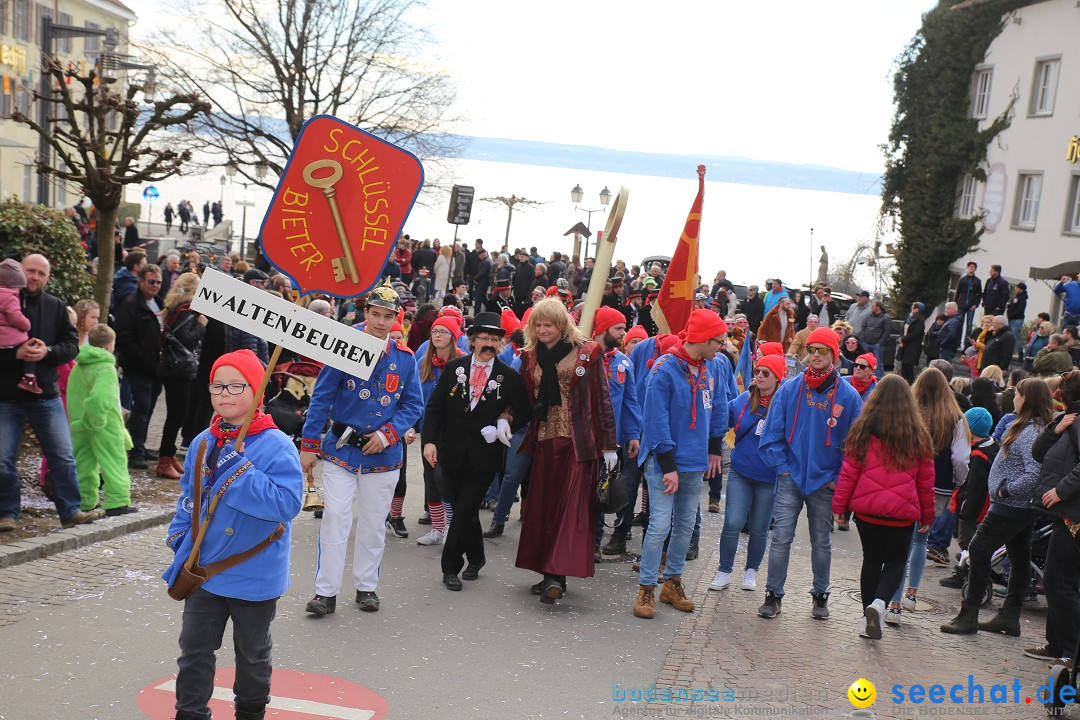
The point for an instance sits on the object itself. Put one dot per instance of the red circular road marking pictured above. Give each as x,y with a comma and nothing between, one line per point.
294,695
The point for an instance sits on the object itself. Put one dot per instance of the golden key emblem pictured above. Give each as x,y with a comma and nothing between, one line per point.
345,263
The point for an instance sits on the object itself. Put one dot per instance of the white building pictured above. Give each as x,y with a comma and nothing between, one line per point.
1031,198
20,75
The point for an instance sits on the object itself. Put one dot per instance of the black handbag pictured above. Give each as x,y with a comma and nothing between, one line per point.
612,494
176,361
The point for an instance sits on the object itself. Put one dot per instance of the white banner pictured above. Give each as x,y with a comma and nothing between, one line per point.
278,321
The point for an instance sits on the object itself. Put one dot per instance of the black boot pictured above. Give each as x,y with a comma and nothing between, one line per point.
1006,621
966,621
616,545
250,711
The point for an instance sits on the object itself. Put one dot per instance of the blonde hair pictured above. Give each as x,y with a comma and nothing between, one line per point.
841,325
938,407
101,335
995,373
182,291
960,384
447,251
552,310
82,309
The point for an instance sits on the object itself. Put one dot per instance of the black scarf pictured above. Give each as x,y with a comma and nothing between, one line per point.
549,394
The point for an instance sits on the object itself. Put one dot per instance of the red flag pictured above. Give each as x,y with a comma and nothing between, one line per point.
676,300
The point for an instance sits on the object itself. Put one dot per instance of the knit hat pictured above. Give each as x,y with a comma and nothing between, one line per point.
979,421
453,312
770,348
448,323
398,327
11,274
637,332
606,317
827,337
247,363
666,341
776,364
869,359
704,325
509,321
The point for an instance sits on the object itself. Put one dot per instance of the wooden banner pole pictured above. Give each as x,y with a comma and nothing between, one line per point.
602,265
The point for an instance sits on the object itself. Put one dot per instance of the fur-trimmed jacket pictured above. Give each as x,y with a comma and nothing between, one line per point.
770,328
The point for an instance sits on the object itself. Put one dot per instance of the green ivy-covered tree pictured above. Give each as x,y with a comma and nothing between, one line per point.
26,229
934,141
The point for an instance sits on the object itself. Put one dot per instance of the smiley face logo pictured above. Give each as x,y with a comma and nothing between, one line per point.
862,693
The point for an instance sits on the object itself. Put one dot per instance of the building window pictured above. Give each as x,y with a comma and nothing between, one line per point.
1044,88
64,44
22,99
4,10
1072,218
1026,211
22,20
980,93
92,42
965,208
5,103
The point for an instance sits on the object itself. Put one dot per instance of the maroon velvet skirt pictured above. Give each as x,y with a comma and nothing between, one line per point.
559,525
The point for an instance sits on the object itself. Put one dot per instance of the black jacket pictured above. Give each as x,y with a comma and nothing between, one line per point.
1017,306
912,340
968,292
455,429
423,257
995,295
482,275
138,335
1060,458
754,310
999,349
524,278
49,323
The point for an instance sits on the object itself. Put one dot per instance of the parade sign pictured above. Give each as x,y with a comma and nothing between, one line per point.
278,321
339,208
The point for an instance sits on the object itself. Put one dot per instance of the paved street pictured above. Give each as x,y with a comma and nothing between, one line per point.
84,631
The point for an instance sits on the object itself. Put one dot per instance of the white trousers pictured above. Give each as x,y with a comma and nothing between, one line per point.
375,492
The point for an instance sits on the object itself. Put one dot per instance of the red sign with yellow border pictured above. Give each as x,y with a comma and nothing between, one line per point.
339,207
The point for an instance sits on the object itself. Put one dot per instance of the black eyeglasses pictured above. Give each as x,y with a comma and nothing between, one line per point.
231,388
861,366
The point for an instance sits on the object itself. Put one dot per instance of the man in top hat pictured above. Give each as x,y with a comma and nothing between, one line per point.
500,297
613,298
370,421
645,314
478,402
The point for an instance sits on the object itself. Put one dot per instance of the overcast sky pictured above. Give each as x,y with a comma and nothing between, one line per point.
787,80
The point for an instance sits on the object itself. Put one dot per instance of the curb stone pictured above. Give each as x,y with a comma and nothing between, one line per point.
79,536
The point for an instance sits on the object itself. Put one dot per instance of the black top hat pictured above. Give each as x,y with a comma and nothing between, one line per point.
502,285
486,322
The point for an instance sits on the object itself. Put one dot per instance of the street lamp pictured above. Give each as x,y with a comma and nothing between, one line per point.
261,169
221,197
576,195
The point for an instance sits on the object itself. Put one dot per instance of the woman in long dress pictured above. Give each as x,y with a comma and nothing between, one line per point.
572,433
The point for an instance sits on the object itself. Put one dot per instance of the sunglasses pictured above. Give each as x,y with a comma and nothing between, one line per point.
818,350
762,372
152,282
861,366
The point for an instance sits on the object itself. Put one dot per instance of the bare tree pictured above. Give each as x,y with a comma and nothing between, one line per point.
267,66
510,203
102,140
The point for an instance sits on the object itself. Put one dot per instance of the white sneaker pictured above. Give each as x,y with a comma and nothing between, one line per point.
872,617
434,537
749,581
862,627
721,581
908,602
892,617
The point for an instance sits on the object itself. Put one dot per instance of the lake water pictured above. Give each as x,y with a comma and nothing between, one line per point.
753,232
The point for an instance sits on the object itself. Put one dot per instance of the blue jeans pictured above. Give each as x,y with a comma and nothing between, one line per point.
946,354
517,465
879,355
49,422
746,500
1068,319
789,504
144,393
941,532
915,565
1016,325
675,513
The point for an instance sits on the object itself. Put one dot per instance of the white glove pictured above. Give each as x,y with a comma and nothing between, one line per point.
504,432
963,562
489,433
610,459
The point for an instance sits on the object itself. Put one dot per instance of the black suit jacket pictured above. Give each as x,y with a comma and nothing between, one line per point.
455,429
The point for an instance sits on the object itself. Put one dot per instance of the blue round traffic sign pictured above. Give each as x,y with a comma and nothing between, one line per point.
151,194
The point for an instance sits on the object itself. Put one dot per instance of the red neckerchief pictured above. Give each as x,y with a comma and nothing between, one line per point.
817,381
696,383
608,356
814,379
861,385
763,402
437,361
224,432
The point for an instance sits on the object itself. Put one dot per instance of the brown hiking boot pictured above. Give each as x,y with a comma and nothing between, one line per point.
672,593
82,517
645,604
165,468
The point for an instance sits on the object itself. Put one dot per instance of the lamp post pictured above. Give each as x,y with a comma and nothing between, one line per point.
576,195
221,197
232,169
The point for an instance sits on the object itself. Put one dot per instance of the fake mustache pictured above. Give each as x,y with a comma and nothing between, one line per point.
489,348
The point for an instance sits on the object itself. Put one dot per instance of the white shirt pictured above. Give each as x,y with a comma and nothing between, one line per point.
487,376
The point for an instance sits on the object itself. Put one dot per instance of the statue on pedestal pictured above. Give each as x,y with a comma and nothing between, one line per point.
823,268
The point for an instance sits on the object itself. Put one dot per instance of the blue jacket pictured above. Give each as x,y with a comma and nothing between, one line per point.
727,375
797,439
1072,296
668,433
771,298
640,356
746,459
267,491
124,283
390,401
869,388
949,334
462,343
624,399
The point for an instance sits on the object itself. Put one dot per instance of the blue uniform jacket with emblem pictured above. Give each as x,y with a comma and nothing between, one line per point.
390,401
624,398
267,491
684,426
748,427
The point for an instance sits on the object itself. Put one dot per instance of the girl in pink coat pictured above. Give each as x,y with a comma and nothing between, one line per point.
887,480
14,325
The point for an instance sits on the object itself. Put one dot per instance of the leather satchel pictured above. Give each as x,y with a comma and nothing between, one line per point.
192,575
612,494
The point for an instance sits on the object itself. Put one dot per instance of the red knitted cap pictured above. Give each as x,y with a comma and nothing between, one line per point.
448,322
509,320
827,337
869,359
770,348
606,317
249,365
635,332
776,364
704,325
